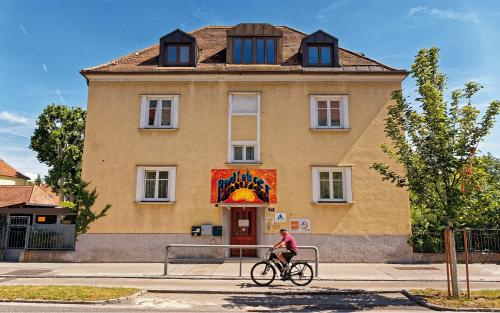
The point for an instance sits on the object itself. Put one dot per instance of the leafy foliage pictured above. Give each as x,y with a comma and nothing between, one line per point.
84,201
58,141
38,180
436,145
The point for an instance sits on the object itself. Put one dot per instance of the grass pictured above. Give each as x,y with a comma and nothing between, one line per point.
63,293
478,298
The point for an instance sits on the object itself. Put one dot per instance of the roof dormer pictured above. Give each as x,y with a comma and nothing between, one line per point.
254,43
320,49
178,49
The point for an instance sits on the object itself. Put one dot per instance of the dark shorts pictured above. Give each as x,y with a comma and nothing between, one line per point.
288,255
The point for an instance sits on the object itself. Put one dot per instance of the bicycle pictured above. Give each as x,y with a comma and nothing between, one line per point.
263,273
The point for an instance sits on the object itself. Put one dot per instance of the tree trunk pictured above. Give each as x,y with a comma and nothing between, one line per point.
61,189
453,261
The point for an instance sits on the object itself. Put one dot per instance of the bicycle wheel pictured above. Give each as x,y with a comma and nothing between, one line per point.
263,273
301,273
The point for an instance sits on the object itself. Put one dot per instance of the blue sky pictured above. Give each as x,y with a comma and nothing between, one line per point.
44,44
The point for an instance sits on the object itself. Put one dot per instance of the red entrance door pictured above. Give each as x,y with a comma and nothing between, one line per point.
243,230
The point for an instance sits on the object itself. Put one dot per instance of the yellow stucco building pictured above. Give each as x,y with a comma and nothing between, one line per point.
11,176
244,130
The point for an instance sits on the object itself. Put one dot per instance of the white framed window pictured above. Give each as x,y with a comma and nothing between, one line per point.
332,184
159,111
155,184
244,104
243,152
329,111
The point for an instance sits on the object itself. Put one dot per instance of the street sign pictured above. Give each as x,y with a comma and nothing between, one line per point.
280,218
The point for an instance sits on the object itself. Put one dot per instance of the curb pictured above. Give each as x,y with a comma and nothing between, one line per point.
108,301
193,277
435,307
269,293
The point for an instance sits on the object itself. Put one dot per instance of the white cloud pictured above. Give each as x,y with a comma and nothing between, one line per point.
329,11
45,67
25,32
13,118
446,14
31,175
59,94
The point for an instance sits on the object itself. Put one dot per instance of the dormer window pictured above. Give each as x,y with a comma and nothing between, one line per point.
178,49
177,54
319,55
254,43
320,49
254,50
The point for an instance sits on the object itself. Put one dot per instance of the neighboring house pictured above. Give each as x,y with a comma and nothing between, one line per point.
10,176
31,218
244,130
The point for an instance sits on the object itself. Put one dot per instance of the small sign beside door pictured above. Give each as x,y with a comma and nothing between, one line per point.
280,218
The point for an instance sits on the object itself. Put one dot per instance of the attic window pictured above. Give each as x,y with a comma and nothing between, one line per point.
178,48
177,54
254,50
319,55
319,49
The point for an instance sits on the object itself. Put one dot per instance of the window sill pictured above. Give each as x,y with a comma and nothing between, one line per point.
155,129
332,203
244,163
329,129
156,202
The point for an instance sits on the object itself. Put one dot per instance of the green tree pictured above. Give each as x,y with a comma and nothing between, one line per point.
58,142
38,180
82,206
435,144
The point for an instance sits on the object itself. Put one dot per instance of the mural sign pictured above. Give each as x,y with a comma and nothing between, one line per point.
300,225
256,186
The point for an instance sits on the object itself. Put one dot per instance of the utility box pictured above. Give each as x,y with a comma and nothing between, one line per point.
195,231
217,231
206,230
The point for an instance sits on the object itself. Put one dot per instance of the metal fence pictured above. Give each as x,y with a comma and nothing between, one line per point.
238,247
479,240
37,237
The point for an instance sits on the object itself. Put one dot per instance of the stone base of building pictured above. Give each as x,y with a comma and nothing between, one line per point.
151,247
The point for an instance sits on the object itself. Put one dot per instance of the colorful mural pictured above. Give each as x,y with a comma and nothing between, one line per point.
243,186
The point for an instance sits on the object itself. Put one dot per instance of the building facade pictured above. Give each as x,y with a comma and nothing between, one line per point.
11,176
227,134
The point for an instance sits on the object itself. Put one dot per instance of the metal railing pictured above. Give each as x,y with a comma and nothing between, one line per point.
479,240
38,237
240,247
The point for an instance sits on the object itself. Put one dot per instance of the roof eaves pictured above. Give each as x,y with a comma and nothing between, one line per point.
116,61
301,71
370,59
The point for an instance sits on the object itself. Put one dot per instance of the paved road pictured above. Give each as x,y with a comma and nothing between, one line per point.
392,302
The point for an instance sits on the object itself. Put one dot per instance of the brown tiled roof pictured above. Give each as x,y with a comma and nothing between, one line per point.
26,195
211,41
9,171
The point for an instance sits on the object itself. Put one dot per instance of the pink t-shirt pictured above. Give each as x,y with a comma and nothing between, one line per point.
290,243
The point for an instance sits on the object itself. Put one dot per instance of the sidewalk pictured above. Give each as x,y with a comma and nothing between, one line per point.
230,270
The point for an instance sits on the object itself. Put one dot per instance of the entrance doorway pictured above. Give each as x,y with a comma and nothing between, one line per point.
244,230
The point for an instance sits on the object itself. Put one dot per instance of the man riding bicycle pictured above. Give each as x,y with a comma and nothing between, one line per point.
287,241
